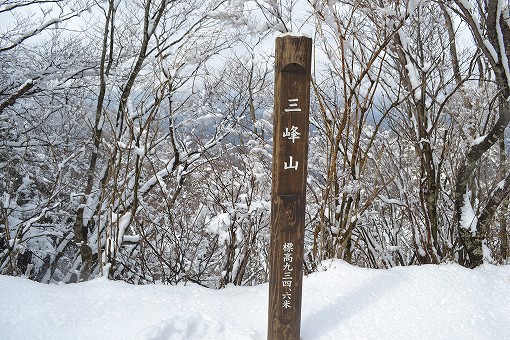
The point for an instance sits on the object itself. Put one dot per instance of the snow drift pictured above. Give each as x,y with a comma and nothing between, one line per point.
339,302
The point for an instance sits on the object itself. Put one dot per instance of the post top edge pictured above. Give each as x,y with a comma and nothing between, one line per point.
293,34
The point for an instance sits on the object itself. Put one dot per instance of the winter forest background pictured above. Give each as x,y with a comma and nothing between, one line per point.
136,136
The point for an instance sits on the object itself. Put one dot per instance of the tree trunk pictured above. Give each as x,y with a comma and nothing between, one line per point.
498,34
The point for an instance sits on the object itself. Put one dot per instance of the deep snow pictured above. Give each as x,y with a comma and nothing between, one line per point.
340,302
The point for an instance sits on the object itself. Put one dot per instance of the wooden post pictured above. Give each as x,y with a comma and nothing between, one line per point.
290,152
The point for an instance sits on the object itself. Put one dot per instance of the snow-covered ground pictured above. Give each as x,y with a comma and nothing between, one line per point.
341,302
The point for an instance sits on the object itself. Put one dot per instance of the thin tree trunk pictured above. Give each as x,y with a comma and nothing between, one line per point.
498,34
503,226
80,228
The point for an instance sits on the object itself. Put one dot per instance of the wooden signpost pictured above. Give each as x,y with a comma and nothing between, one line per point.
290,151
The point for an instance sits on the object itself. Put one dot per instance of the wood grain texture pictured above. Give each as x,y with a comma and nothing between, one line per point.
290,153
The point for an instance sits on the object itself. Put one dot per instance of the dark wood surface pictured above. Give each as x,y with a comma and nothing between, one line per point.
290,152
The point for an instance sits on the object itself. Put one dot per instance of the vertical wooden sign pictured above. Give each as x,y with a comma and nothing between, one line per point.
290,153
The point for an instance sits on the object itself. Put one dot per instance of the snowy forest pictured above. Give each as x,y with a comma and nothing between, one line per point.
136,136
